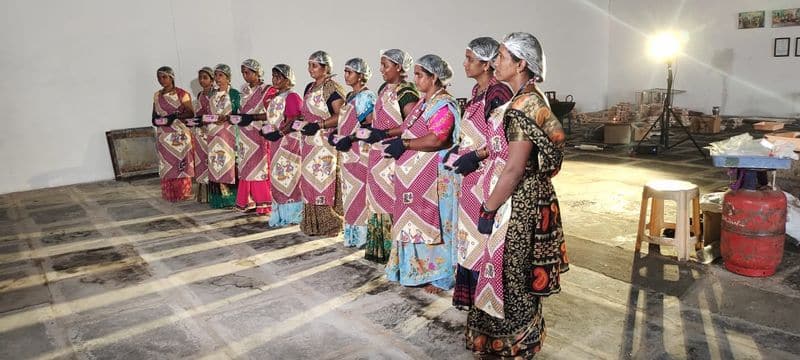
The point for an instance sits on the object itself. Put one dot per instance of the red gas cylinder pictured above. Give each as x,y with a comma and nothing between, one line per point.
753,231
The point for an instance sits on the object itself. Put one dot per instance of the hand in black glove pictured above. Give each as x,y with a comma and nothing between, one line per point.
467,163
486,220
310,129
376,135
331,140
452,151
394,148
344,144
246,119
273,136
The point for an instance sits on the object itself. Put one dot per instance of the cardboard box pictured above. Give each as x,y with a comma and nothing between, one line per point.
617,133
768,126
705,124
639,130
791,136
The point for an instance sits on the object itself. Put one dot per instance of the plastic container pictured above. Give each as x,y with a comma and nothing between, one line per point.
751,162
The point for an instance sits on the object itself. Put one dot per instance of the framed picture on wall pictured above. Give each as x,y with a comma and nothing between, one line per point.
781,48
751,19
797,46
786,17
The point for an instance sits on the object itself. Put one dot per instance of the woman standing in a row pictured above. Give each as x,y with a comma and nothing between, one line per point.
426,205
285,160
323,98
487,95
252,149
528,232
396,98
222,140
354,159
205,77
176,160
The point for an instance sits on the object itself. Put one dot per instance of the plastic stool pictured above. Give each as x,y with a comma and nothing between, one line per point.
687,197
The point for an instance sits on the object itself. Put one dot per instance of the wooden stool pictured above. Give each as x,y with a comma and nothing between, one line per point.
687,198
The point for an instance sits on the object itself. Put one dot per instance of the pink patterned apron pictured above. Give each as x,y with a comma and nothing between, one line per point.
474,128
380,179
489,290
251,148
201,139
416,210
318,180
222,142
176,158
285,160
354,169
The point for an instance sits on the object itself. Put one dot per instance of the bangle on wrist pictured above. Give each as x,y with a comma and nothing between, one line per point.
486,210
407,143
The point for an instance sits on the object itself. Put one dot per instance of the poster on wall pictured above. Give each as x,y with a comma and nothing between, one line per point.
786,17
751,19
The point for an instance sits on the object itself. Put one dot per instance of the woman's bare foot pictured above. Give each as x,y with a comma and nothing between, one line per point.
430,289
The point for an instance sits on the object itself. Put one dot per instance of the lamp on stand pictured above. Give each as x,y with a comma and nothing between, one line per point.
665,47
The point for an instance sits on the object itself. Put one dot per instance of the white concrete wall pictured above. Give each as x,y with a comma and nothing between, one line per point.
723,66
75,69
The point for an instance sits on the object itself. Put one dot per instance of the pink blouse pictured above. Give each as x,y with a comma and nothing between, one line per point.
293,104
441,124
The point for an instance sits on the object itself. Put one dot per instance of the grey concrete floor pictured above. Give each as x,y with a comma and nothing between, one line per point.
110,271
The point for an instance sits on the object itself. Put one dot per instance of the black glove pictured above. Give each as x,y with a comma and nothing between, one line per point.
452,151
467,163
310,129
272,136
330,138
246,119
375,136
344,144
394,148
486,220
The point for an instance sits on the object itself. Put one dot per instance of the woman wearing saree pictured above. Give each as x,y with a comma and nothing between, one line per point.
252,149
425,211
354,160
222,140
396,98
487,95
285,160
205,77
176,159
322,101
525,251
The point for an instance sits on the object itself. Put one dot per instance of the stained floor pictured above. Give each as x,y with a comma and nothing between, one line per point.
110,271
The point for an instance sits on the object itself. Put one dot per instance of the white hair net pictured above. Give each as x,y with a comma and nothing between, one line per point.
399,57
286,71
437,66
484,48
358,65
526,47
255,66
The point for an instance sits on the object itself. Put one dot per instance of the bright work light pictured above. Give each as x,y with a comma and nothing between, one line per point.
664,46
